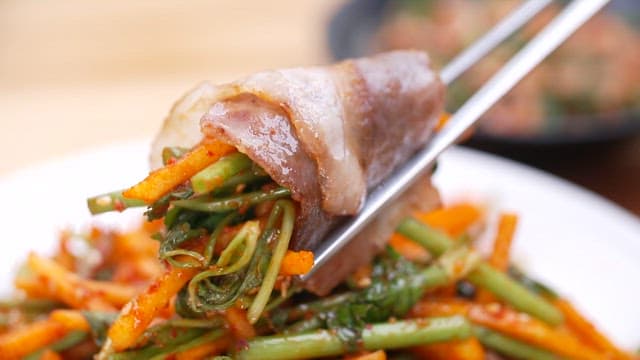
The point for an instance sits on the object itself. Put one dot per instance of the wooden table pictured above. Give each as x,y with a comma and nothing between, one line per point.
78,74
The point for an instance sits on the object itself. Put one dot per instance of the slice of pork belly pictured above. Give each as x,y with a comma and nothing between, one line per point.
327,133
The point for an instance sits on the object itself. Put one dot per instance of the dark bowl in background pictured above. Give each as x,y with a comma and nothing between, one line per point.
350,34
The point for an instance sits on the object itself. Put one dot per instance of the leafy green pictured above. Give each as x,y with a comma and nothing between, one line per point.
392,293
220,292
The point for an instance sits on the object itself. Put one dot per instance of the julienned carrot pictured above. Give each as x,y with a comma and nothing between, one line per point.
239,324
499,258
533,331
587,332
408,248
69,288
296,262
27,339
469,349
376,355
453,220
502,243
163,180
440,307
205,350
32,287
70,319
136,316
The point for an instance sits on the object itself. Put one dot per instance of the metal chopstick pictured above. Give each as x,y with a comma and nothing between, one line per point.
566,23
489,41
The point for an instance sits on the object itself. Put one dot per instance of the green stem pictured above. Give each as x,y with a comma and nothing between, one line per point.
485,276
434,241
208,204
211,245
243,178
322,343
217,173
113,201
261,299
510,347
209,337
195,323
518,296
246,239
177,338
299,311
30,305
198,259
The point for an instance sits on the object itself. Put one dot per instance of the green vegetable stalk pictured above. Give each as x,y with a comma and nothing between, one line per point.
208,204
217,173
321,343
113,201
510,347
485,276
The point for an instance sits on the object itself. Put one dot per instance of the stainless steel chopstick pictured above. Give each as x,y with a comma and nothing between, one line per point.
557,31
489,41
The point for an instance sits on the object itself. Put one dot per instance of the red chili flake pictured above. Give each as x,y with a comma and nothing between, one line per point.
153,287
118,205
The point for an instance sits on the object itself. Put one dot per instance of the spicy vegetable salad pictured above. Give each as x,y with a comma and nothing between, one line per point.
248,178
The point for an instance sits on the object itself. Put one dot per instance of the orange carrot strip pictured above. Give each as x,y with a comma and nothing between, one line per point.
296,262
66,286
409,249
27,339
141,310
502,243
499,258
587,332
454,219
440,307
134,244
376,355
469,349
50,355
163,180
33,288
205,350
239,324
70,319
520,326
77,292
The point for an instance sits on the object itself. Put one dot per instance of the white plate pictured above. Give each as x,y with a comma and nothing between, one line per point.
583,246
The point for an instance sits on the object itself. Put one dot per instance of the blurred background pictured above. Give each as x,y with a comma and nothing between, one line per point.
84,74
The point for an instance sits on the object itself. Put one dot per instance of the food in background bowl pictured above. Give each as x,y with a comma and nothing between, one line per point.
591,82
